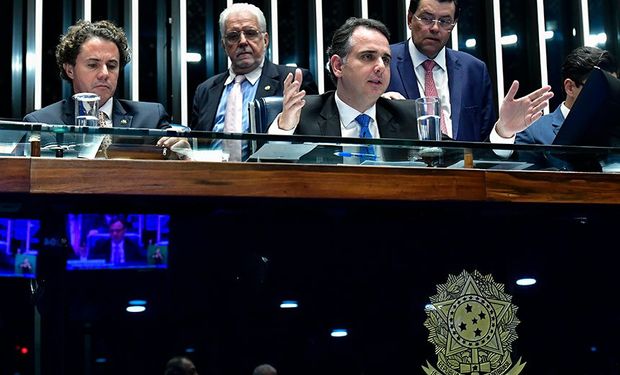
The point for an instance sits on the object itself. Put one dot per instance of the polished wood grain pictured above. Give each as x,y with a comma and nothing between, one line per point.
202,179
15,175
553,187
253,180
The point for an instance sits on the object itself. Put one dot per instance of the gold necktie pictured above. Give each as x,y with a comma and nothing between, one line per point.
107,138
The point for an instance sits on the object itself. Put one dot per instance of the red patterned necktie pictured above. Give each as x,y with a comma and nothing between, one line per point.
431,90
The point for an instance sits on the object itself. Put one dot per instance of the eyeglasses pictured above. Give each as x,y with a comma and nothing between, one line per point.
445,23
235,36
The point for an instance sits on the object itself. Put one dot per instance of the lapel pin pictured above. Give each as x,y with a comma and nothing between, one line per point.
267,88
123,122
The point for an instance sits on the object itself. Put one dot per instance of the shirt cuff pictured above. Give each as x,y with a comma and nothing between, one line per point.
274,129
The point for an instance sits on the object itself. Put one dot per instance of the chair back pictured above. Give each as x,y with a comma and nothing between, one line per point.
263,111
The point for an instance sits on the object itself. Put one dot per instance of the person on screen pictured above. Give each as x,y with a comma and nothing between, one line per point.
91,56
265,369
180,365
245,39
117,249
359,62
461,81
575,71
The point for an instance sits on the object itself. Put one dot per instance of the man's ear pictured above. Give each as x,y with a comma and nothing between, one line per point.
68,69
336,63
570,87
266,40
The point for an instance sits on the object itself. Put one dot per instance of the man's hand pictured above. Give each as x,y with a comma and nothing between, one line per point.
393,95
515,115
179,145
292,102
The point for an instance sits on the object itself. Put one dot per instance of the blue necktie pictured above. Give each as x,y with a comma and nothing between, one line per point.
369,150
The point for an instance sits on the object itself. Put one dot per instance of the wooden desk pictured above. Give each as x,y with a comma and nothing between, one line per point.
201,179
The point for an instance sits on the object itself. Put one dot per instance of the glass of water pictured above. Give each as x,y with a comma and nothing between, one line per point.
86,109
428,109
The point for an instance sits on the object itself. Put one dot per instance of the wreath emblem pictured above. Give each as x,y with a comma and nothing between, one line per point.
472,324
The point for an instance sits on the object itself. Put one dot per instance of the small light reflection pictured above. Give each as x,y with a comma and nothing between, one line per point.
470,43
193,57
135,309
509,40
289,304
339,332
526,281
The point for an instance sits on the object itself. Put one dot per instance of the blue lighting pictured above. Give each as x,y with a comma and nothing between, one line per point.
289,304
137,302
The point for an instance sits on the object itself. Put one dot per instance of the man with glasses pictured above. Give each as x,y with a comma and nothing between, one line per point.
460,80
245,40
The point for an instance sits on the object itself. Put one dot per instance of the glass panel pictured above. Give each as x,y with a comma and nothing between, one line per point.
562,25
295,38
334,15
520,45
473,30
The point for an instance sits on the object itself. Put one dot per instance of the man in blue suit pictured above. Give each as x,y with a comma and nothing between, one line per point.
575,71
462,81
245,40
91,57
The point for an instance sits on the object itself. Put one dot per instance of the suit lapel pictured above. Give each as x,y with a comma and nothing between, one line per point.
329,121
120,117
455,86
388,128
406,72
68,111
269,81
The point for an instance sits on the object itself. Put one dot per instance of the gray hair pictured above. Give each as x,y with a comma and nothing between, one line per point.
242,7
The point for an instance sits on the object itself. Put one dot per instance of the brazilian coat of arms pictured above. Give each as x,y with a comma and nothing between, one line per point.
471,323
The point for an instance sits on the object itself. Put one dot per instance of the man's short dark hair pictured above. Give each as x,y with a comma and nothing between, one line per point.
414,4
341,41
265,369
180,365
579,63
70,43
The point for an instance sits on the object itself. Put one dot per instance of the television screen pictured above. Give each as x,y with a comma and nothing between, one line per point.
19,247
112,241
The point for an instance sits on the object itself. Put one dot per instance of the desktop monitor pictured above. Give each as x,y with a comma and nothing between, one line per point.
112,241
594,119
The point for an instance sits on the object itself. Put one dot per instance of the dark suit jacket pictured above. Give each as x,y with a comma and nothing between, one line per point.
471,95
125,113
103,250
395,118
543,130
271,83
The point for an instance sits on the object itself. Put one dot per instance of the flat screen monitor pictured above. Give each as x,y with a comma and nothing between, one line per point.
594,119
19,247
113,241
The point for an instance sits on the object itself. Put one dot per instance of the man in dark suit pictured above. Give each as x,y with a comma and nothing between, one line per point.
245,40
359,64
462,81
91,57
117,249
